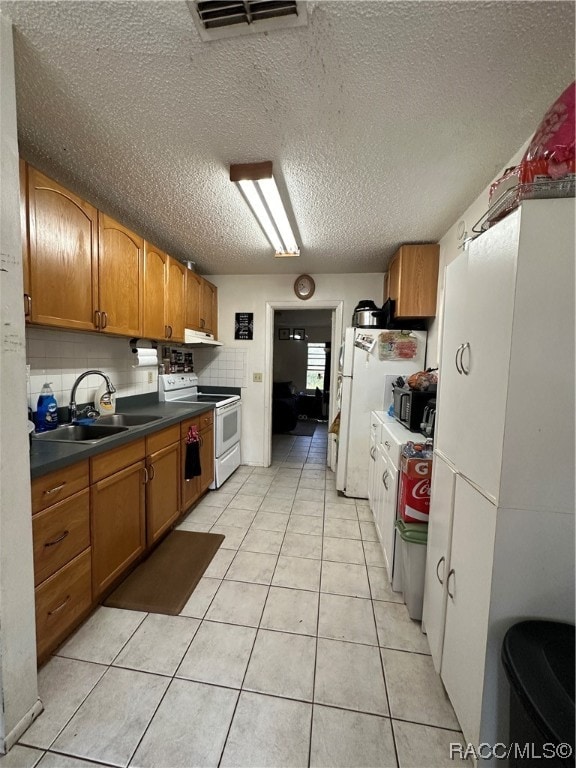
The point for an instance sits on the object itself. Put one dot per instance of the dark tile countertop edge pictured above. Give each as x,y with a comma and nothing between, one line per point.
47,456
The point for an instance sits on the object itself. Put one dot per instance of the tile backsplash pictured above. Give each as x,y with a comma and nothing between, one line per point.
61,356
220,366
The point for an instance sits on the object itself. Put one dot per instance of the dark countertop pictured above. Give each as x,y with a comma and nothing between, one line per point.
47,456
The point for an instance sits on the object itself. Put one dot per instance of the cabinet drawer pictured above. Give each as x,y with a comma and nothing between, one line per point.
202,420
59,485
162,439
112,461
61,601
391,444
60,533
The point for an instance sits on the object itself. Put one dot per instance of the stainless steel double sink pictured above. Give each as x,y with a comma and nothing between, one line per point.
105,426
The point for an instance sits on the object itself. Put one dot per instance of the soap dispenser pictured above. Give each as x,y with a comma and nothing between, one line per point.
105,401
47,409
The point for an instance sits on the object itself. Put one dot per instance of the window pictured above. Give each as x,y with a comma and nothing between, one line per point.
315,366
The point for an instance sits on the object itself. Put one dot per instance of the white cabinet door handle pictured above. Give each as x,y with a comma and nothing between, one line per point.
438,564
456,359
465,347
451,572
384,477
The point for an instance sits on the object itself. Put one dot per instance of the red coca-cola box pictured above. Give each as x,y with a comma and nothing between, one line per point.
414,501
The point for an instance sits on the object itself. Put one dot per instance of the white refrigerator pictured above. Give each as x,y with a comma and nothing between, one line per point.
370,361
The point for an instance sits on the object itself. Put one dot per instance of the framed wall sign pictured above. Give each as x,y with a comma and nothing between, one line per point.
298,334
244,326
284,334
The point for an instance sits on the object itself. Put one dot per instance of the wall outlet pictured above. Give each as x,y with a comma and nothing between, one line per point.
257,377
150,377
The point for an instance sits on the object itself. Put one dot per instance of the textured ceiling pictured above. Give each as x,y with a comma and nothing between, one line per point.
384,120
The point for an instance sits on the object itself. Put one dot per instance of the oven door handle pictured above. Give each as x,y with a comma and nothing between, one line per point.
228,407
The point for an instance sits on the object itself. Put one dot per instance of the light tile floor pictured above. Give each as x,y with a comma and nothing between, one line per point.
292,650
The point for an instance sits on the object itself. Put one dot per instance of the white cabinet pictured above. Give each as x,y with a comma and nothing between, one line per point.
501,526
388,474
375,432
438,556
468,585
476,350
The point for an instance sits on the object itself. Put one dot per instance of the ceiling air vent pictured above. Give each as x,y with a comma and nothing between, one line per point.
216,19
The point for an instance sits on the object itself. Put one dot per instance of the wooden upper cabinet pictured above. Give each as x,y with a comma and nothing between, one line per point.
120,278
175,309
63,232
193,299
201,304
412,280
155,269
209,308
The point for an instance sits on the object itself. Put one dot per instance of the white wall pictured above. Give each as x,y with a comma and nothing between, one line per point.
250,293
19,692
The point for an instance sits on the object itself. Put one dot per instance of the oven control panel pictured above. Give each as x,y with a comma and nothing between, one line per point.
174,381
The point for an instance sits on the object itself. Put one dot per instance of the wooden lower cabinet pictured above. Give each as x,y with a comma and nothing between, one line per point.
60,533
118,524
163,486
62,556
192,489
93,520
62,601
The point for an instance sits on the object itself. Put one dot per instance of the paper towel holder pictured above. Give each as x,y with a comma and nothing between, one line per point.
136,344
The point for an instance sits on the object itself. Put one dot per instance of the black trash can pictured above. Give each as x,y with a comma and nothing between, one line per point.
538,657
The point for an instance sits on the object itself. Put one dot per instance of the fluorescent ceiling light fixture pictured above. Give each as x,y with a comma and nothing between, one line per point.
261,193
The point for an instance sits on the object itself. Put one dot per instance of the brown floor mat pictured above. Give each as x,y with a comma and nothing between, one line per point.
166,579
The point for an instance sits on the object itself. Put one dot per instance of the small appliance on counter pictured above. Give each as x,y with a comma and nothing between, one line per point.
429,418
409,405
412,396
367,315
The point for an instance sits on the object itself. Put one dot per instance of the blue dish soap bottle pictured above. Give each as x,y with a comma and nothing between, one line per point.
47,410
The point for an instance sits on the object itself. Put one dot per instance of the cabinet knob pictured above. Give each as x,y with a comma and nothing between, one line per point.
97,318
27,305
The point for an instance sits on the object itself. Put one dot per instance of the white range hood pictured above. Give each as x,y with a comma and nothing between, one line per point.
200,339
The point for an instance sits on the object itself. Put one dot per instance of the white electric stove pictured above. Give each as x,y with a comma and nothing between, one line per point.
182,388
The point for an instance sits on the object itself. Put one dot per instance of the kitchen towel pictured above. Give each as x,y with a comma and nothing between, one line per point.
192,466
143,358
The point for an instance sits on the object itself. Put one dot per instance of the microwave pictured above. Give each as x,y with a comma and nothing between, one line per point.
409,405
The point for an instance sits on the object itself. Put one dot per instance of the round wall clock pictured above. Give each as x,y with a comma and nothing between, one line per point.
304,287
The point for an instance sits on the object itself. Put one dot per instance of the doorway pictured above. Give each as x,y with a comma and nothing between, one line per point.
301,357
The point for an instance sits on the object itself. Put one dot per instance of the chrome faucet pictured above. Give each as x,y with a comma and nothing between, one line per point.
110,388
